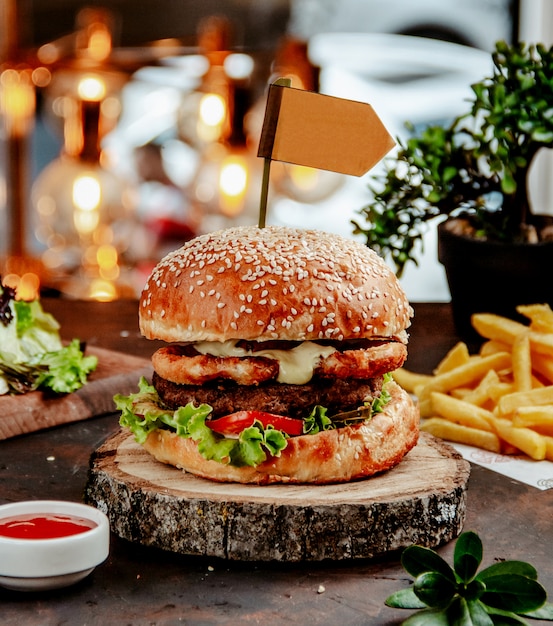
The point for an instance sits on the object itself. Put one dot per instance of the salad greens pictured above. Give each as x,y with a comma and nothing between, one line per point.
502,594
32,355
143,412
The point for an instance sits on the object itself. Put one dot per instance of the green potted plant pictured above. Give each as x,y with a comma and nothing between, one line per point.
473,173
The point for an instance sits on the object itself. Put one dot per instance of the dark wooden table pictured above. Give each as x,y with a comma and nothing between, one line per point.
143,586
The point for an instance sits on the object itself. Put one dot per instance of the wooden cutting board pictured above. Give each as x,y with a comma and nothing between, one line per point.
422,500
115,373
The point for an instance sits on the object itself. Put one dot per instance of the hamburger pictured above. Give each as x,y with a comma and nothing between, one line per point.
280,343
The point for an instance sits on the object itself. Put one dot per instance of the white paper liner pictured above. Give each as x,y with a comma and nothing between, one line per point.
538,474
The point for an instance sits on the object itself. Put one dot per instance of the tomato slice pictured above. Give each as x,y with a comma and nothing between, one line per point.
235,423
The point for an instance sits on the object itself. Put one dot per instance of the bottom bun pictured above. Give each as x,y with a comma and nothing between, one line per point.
331,456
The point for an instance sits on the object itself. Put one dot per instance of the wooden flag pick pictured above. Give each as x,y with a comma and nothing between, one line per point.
320,131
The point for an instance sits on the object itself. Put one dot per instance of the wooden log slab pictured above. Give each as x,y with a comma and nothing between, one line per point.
422,500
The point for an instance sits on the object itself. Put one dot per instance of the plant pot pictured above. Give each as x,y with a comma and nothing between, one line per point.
493,277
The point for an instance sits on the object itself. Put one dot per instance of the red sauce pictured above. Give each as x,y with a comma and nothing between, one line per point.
43,526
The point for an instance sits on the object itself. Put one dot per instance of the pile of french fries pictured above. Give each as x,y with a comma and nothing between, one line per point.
500,399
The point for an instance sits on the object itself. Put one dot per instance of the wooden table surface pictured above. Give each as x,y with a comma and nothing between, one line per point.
144,586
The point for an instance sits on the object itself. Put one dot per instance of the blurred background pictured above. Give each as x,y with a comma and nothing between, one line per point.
130,126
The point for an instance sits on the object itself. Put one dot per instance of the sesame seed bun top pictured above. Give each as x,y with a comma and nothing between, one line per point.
273,283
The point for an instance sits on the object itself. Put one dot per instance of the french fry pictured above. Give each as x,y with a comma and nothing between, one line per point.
492,346
461,412
543,365
425,406
510,402
458,355
410,381
444,429
499,328
500,389
496,327
535,417
461,392
470,372
481,393
540,316
522,362
525,439
548,447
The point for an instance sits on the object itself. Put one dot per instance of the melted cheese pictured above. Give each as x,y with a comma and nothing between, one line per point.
295,366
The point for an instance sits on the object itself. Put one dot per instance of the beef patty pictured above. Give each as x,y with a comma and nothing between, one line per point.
282,399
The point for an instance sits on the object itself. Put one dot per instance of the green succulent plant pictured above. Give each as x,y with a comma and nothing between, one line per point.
476,167
502,594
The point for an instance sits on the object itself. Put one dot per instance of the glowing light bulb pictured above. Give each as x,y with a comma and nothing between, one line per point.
233,183
212,109
91,88
17,101
212,116
102,290
86,195
99,43
107,259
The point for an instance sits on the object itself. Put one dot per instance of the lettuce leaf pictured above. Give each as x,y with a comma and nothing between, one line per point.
30,333
32,355
62,371
317,421
382,400
65,370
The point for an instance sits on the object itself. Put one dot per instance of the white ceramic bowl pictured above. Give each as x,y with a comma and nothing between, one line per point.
40,564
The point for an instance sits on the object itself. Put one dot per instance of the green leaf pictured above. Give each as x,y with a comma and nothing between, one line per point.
545,612
428,617
65,370
508,184
513,592
508,567
505,618
434,589
31,333
467,613
478,614
417,560
317,421
249,450
404,599
542,136
467,556
473,590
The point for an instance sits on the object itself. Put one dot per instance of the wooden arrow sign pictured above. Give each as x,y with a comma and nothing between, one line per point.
320,131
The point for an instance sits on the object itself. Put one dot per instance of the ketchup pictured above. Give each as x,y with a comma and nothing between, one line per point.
43,526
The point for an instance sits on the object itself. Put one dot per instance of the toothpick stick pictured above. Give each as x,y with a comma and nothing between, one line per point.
265,148
264,193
